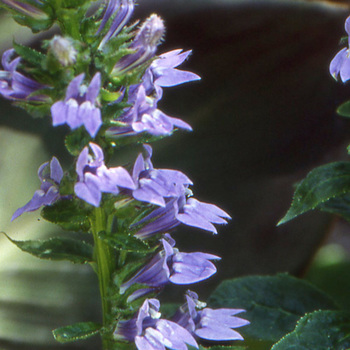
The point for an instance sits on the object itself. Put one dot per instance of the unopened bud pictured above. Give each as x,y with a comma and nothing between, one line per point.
63,50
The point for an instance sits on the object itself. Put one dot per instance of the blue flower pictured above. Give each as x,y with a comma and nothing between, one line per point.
150,332
170,265
143,116
50,175
188,211
79,106
94,177
154,185
209,324
162,72
14,85
340,65
122,10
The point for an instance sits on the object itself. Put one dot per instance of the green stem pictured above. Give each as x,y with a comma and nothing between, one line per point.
104,259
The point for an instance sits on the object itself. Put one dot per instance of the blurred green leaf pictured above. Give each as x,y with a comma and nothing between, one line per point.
77,331
77,252
321,330
333,279
344,109
69,214
273,304
320,185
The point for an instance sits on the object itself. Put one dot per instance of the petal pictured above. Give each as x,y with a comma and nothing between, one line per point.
73,89
90,116
88,190
218,333
56,172
172,77
345,68
82,162
58,113
175,335
190,268
94,88
336,63
73,118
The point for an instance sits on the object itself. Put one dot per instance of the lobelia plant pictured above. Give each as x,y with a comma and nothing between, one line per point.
102,78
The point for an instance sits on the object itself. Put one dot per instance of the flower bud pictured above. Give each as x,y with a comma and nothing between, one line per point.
145,44
63,50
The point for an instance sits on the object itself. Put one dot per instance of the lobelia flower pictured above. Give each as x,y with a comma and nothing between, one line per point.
79,106
145,45
144,116
208,323
122,10
150,332
14,85
50,175
162,71
170,265
188,211
153,185
94,177
340,65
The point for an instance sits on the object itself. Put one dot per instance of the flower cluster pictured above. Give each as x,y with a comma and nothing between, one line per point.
112,96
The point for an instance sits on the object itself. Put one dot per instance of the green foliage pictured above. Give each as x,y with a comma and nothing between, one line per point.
76,251
69,214
344,109
127,243
77,331
320,185
273,304
321,330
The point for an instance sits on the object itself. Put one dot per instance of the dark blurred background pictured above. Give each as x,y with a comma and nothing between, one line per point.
263,115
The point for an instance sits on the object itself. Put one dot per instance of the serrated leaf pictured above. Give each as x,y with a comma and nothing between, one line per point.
344,109
321,330
320,185
30,55
77,252
339,205
68,214
126,243
273,304
77,331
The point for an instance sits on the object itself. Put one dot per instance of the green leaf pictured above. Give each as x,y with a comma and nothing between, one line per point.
321,330
30,55
76,141
339,205
77,331
344,109
320,185
273,304
68,214
127,243
77,252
